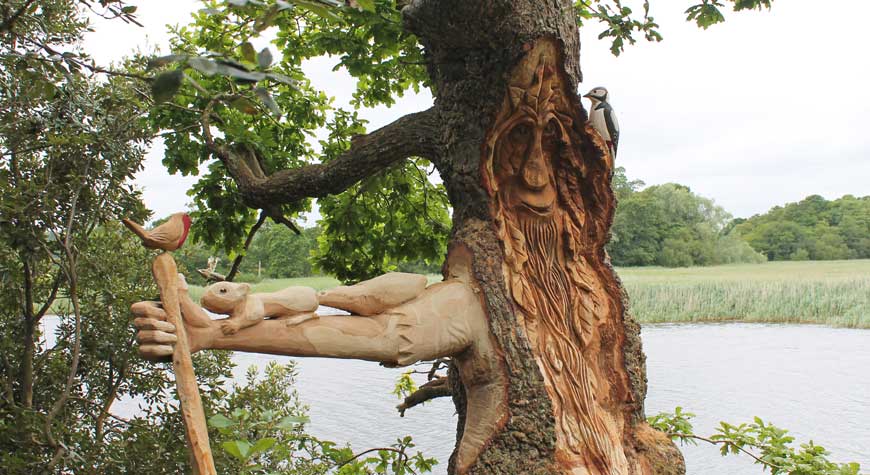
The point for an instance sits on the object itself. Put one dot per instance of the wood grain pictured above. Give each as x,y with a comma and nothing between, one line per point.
196,432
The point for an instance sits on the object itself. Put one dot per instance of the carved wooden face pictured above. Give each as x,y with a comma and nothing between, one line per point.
528,143
525,162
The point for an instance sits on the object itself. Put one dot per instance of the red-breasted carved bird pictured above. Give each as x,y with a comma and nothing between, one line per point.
169,236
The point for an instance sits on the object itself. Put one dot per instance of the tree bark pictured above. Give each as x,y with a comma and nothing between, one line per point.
478,55
561,385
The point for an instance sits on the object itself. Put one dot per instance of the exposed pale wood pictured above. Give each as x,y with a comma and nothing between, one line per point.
544,205
374,296
169,236
292,304
166,275
409,322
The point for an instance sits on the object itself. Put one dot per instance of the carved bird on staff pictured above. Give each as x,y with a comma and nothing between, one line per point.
169,236
603,119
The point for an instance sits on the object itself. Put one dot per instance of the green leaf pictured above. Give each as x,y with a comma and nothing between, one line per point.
283,79
161,61
243,104
249,54
367,5
166,85
241,74
289,422
318,9
220,421
129,9
263,445
239,449
268,101
264,58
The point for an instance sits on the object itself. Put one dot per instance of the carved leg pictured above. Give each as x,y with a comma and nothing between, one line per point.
374,296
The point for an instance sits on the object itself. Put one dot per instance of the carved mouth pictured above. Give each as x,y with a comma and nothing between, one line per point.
539,209
538,201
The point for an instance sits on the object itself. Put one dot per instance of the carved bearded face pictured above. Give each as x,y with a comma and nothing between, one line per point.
528,141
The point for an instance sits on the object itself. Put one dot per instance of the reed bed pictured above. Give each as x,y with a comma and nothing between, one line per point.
835,293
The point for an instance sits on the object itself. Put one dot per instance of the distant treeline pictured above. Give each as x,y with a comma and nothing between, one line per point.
670,226
665,225
812,229
276,252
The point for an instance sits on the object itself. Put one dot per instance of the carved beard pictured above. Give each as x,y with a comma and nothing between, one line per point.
587,429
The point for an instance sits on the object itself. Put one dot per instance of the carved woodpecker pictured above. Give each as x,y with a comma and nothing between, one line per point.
603,119
169,236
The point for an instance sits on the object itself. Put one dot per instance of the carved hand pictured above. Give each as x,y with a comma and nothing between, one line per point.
157,337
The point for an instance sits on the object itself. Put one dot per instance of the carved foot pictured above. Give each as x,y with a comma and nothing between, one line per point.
230,327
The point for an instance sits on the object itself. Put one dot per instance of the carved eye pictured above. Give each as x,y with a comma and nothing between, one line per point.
552,129
521,134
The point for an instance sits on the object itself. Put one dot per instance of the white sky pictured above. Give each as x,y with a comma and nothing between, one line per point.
765,109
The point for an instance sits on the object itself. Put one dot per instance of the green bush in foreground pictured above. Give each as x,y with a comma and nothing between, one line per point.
260,430
768,445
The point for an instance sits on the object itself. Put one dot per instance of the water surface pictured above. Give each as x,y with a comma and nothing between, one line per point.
812,380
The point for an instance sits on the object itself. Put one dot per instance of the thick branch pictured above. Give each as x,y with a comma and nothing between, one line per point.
436,388
412,135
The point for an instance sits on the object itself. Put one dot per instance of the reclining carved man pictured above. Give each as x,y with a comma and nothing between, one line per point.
396,320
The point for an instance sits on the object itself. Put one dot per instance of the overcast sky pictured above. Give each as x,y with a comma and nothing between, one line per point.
763,110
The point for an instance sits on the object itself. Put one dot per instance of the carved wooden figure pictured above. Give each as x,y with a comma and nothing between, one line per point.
293,305
535,173
548,375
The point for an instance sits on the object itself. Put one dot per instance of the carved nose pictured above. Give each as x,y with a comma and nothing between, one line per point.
534,173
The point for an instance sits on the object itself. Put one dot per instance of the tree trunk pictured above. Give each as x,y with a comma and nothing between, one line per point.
529,182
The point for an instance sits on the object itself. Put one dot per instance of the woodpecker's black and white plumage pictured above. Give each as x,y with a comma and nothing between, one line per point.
603,119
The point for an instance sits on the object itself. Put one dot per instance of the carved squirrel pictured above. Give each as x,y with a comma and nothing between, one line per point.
296,304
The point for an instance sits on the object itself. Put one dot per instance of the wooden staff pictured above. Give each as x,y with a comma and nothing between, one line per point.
166,275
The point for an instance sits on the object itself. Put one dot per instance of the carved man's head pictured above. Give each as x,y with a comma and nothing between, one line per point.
539,158
525,147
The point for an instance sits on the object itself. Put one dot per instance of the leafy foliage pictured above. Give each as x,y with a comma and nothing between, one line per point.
622,23
769,445
813,228
383,221
262,99
263,432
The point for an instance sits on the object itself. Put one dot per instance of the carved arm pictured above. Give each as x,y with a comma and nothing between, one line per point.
442,321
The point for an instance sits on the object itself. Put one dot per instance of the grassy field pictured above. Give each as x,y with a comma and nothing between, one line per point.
835,293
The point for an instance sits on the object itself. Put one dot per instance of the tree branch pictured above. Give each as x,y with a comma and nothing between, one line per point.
412,135
238,260
401,453
436,388
724,442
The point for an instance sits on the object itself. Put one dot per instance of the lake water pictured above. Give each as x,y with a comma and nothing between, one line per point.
812,380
